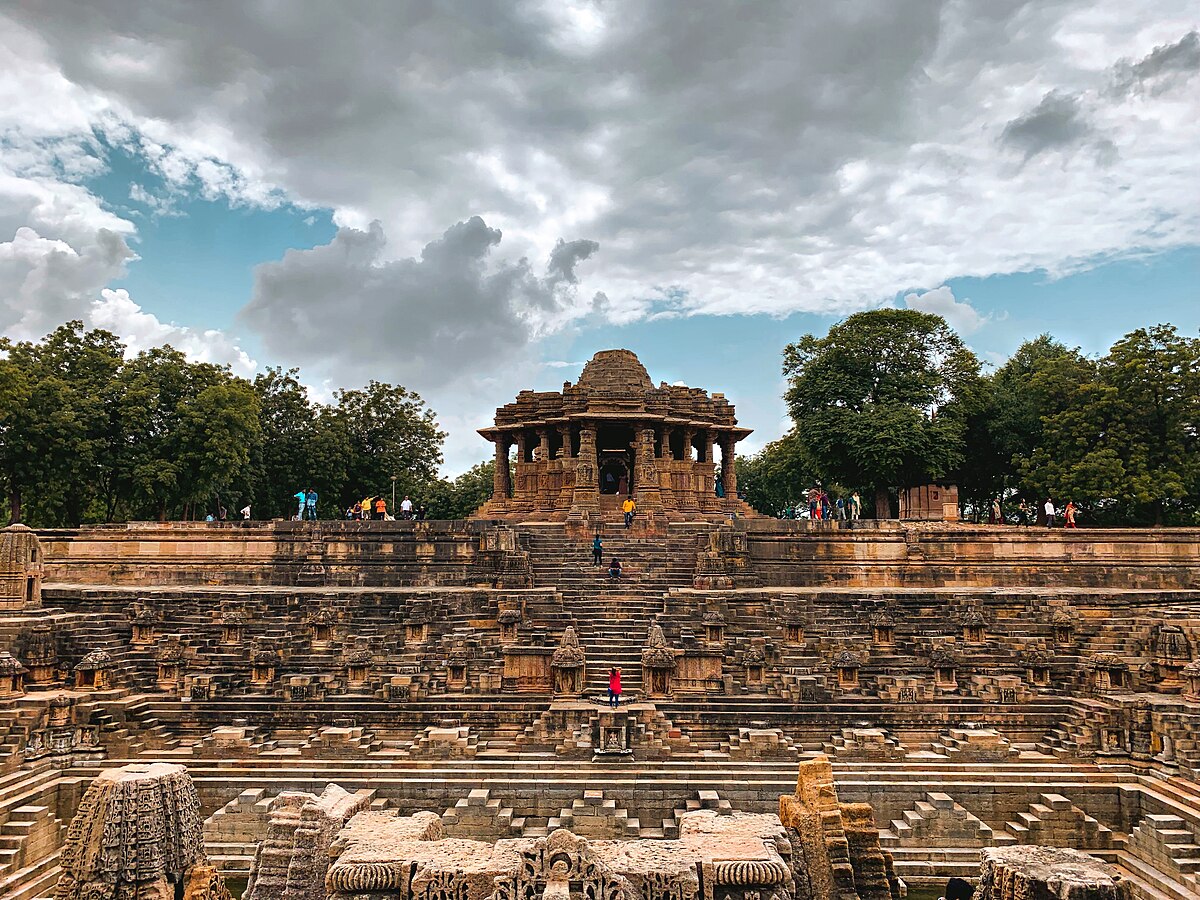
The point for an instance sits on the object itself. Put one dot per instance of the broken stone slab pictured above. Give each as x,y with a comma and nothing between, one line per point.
1047,873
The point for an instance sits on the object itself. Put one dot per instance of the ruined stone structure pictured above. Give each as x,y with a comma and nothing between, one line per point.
20,568
419,708
613,435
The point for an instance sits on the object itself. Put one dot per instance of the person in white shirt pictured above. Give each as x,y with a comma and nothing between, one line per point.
406,508
1049,513
246,512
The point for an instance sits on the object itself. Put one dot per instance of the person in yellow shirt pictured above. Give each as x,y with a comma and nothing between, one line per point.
628,507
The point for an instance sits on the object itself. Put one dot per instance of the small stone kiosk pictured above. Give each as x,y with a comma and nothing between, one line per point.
20,568
613,435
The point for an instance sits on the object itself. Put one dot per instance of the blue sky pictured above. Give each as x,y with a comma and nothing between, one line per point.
473,204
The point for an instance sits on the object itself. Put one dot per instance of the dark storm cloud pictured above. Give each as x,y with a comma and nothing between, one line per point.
1162,68
1055,123
424,320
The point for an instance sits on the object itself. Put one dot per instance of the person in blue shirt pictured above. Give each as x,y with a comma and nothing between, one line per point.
597,552
310,504
300,496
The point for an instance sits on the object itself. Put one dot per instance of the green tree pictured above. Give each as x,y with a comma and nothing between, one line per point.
388,431
460,497
775,476
878,402
52,422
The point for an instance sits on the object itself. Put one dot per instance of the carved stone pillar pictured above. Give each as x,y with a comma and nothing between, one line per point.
667,431
691,497
585,499
564,433
522,446
708,446
501,479
728,466
707,475
645,479
543,449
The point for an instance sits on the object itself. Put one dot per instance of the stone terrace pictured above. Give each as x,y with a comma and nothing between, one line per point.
979,687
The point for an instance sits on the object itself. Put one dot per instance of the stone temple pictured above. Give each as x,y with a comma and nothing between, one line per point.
416,710
613,435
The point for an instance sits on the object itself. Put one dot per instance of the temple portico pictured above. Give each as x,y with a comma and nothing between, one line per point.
612,435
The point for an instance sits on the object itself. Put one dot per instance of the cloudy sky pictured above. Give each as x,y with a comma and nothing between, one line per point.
469,198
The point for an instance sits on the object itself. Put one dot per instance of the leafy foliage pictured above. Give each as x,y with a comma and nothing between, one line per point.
88,435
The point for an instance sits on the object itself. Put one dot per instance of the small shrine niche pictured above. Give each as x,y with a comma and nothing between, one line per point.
233,626
846,665
320,626
1191,680
612,734
170,663
263,660
755,662
509,621
145,624
883,629
357,662
714,628
1037,665
1172,653
658,662
945,669
416,623
60,710
568,664
456,670
793,630
1064,627
94,671
12,676
973,626
20,568
41,655
1109,673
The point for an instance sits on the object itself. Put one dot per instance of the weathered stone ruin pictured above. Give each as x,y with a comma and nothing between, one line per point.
337,689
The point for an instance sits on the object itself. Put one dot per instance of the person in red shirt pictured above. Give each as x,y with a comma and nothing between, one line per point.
614,687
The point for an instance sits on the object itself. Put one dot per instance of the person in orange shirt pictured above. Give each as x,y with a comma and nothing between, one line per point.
380,509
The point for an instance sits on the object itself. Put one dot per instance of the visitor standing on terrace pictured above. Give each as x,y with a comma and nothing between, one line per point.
300,496
1049,508
1069,515
597,551
406,508
310,504
614,687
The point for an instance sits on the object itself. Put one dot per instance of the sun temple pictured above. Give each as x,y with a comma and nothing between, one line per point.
610,436
418,710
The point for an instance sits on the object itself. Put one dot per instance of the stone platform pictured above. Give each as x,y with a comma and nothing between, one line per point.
979,687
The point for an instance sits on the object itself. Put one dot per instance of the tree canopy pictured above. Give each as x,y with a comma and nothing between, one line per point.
88,435
892,399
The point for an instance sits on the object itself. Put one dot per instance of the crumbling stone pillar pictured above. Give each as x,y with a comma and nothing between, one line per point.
728,466
501,480
138,834
1046,873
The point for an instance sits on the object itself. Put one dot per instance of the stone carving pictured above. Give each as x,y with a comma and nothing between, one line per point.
94,670
20,568
568,663
824,862
658,662
145,621
41,655
1021,873
293,860
138,834
12,675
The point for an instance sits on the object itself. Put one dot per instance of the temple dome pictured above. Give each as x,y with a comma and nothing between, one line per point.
614,371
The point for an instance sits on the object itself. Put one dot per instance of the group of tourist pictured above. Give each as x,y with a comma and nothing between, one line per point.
614,564
821,506
1026,514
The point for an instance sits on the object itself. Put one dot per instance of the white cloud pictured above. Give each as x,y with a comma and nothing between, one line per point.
963,317
115,311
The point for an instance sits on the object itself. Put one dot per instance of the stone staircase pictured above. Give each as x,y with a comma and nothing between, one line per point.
939,821
1168,843
1056,822
867,743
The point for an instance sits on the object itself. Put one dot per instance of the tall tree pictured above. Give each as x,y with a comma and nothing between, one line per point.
389,431
776,476
876,401
458,498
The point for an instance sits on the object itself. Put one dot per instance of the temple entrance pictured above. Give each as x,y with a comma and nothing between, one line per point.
614,474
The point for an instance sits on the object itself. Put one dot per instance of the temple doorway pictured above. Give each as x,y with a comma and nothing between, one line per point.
614,475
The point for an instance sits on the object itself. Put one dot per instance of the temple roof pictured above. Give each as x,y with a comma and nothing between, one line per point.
614,387
614,370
